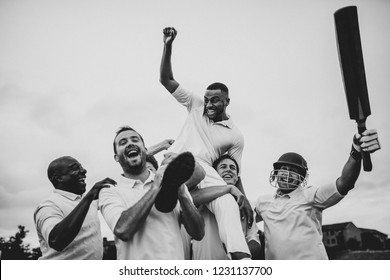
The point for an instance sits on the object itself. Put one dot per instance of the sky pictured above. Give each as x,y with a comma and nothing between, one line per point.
72,72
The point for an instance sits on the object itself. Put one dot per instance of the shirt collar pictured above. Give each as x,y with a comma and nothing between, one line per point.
228,123
69,195
131,182
279,194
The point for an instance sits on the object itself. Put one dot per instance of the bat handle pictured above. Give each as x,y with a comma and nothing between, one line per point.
367,164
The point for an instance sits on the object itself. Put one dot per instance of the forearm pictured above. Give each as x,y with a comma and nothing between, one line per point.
132,218
166,64
192,219
166,74
205,195
349,175
65,231
161,146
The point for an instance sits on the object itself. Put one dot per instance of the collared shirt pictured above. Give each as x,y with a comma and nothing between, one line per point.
157,238
292,222
211,246
205,139
88,243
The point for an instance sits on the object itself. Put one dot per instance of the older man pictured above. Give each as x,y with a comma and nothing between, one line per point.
67,222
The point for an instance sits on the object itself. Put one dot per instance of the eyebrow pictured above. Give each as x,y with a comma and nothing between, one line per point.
75,164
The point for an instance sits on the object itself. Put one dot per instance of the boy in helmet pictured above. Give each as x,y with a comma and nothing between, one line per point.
293,216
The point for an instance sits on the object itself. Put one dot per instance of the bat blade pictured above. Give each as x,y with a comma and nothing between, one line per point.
352,68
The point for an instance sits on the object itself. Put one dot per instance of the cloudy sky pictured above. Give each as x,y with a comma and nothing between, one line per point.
72,72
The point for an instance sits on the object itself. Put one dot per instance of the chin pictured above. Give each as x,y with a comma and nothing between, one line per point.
80,191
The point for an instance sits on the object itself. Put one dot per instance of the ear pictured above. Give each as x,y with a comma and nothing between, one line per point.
227,101
116,158
57,178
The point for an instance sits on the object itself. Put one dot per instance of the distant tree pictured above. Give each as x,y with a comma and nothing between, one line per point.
14,249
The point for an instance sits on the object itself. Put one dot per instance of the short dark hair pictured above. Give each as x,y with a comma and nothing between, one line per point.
54,167
217,85
221,158
150,158
125,128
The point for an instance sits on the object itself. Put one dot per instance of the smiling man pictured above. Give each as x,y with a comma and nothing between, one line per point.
293,216
141,231
211,247
208,133
67,222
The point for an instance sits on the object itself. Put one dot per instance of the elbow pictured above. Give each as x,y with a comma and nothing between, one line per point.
344,186
164,80
56,245
123,235
200,232
198,236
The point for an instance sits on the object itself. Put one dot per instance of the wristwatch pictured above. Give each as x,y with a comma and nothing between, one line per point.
355,154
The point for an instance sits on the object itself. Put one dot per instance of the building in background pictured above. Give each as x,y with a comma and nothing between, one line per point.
346,241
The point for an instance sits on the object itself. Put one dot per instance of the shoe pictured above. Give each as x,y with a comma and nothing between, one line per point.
177,173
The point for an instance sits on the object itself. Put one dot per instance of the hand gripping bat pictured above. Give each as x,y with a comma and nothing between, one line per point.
352,68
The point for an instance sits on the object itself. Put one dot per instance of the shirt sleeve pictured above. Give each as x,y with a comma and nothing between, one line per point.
46,217
323,197
110,206
187,98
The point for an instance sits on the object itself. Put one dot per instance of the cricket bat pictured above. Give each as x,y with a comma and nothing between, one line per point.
352,68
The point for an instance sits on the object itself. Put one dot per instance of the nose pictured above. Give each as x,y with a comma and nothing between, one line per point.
83,170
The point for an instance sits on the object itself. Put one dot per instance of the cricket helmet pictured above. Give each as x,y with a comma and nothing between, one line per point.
294,160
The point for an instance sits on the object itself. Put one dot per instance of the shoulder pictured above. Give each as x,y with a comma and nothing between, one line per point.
187,97
262,200
108,194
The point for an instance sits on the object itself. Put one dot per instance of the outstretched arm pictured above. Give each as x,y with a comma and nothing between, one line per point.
367,142
161,146
192,219
65,231
166,74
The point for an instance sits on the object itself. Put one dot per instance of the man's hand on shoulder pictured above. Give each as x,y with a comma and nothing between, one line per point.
105,183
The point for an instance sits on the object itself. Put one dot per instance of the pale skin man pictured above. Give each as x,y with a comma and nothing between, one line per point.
292,217
209,132
134,222
68,176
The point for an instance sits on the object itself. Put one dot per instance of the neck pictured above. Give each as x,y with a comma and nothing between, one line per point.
141,176
222,117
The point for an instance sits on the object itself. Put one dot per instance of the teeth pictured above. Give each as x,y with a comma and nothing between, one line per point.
132,152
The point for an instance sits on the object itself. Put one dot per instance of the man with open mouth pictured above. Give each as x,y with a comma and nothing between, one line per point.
293,215
67,222
208,133
145,210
